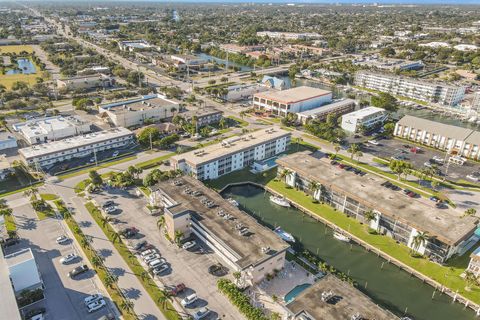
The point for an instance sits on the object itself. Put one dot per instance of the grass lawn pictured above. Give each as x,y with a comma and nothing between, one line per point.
448,275
48,196
241,122
154,162
102,274
20,180
145,190
10,223
80,187
16,49
78,172
8,79
147,282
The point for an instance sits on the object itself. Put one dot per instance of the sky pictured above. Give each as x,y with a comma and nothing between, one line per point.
458,2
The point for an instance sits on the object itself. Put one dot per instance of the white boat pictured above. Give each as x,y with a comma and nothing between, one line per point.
233,201
280,201
284,235
337,235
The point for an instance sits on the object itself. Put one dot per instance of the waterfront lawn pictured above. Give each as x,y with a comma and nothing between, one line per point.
150,286
448,275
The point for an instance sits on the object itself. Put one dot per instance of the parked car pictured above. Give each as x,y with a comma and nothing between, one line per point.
411,194
201,313
139,245
151,257
68,258
147,252
474,176
115,154
177,289
92,298
110,209
94,306
374,142
108,203
78,270
217,270
129,232
157,262
407,191
189,245
62,239
427,164
188,300
433,198
160,269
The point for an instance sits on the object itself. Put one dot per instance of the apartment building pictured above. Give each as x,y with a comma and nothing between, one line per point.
236,238
428,91
455,140
88,82
337,108
134,112
232,154
133,45
363,119
42,130
7,140
396,215
48,154
204,116
289,35
292,100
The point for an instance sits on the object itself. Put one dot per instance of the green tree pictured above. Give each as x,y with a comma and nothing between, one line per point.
147,135
95,178
389,128
385,101
469,212
178,237
353,149
313,186
418,240
470,279
284,174
400,167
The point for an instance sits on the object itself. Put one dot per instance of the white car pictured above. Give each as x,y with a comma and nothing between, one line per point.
110,209
188,300
159,270
92,298
62,239
147,252
96,305
151,257
374,142
201,313
157,262
189,245
474,176
115,154
68,258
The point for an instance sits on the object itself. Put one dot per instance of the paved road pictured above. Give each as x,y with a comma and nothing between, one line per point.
64,296
144,306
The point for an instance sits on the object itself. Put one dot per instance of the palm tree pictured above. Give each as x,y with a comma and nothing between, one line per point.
144,275
370,216
353,149
471,279
284,174
115,236
161,222
164,298
126,305
85,243
336,148
96,261
418,240
299,141
313,186
33,191
359,154
178,237
237,275
222,123
108,281
105,220
3,204
469,212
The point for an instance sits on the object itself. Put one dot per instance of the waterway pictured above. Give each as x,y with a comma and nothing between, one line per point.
389,286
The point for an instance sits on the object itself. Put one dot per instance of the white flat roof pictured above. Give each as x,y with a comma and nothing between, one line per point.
364,112
293,95
8,303
75,142
327,107
231,146
32,128
23,269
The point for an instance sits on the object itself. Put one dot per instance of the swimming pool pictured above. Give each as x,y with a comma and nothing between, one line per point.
289,297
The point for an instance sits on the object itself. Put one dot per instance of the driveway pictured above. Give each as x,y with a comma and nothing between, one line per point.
190,268
64,296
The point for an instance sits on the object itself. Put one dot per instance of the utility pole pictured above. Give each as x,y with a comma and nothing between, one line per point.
151,145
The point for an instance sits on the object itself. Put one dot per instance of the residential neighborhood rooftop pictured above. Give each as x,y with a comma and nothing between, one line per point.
447,225
327,107
146,102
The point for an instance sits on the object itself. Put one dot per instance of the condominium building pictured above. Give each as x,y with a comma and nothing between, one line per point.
45,155
337,108
396,215
134,112
428,91
7,140
363,119
455,140
292,100
232,154
237,239
204,116
42,130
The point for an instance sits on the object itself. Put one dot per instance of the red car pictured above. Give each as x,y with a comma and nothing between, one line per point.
412,194
341,166
177,289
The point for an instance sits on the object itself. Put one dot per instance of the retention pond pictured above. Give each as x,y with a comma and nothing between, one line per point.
386,284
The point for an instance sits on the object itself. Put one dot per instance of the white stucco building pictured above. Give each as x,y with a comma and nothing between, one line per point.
43,130
292,100
7,140
232,154
366,118
134,112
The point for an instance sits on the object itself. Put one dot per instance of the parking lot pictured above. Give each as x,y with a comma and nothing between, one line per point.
393,147
188,267
64,297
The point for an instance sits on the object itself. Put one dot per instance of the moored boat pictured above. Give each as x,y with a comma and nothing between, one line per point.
337,235
233,201
280,201
284,235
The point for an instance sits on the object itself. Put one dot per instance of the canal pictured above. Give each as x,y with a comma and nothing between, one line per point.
389,286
